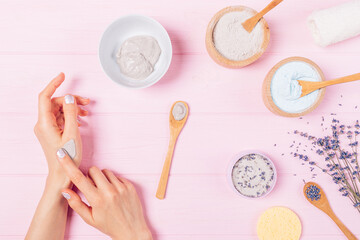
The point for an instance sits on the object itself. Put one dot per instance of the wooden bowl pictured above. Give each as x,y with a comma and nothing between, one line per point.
217,56
266,89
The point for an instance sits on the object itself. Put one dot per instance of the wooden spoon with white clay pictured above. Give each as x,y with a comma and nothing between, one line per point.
178,116
308,86
250,23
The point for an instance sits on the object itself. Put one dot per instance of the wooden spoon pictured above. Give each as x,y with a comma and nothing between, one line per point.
323,204
175,129
250,23
309,87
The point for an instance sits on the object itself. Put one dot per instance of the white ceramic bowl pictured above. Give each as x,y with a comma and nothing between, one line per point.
230,169
124,28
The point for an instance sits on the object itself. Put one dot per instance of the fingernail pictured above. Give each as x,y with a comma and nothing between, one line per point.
61,153
69,99
66,195
86,98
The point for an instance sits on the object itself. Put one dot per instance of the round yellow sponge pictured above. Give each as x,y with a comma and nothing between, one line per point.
279,223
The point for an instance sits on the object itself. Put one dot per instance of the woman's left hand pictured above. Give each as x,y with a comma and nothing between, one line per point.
57,124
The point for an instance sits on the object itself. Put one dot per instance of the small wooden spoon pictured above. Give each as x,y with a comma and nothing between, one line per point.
175,129
250,23
309,87
323,204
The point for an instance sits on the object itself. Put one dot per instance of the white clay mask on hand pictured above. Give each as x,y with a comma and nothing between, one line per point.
137,56
70,148
179,111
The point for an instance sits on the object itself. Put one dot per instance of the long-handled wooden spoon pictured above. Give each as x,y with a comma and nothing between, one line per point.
177,120
320,201
250,23
308,87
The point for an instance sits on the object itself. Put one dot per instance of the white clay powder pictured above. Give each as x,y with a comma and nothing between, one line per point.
137,56
233,41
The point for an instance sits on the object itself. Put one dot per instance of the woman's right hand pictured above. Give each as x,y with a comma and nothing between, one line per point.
115,208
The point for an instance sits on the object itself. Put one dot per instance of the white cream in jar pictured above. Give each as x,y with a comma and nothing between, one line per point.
286,91
253,175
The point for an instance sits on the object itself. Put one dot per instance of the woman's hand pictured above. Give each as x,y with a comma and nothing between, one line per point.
115,208
57,124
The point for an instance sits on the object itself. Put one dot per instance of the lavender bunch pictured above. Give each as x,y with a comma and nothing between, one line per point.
340,154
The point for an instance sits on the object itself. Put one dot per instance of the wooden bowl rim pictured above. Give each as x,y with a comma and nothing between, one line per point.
267,97
217,56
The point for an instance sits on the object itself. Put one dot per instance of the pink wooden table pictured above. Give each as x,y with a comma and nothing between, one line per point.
128,130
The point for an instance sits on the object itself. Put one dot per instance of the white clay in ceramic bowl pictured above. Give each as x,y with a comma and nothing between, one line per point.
252,174
135,51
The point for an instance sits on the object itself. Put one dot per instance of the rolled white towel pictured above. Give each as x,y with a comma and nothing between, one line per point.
335,24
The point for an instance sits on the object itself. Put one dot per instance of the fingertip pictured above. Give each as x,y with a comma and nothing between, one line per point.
61,154
83,100
78,205
69,194
59,79
66,195
69,99
71,112
61,75
84,113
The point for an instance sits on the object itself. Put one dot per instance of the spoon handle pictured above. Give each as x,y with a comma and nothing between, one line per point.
160,193
342,227
345,79
270,6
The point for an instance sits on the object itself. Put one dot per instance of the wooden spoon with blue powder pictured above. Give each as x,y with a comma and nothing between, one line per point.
316,196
